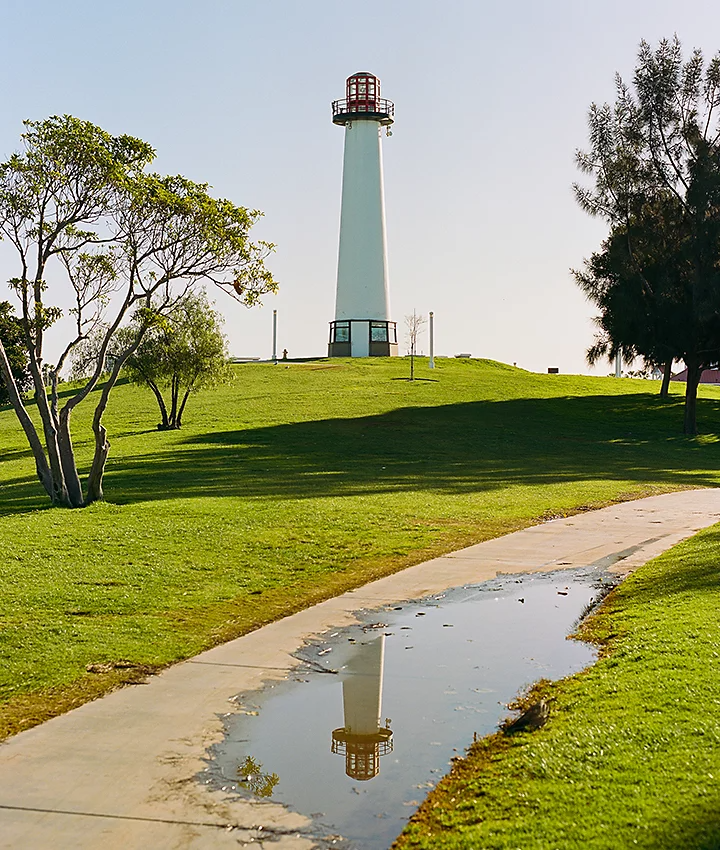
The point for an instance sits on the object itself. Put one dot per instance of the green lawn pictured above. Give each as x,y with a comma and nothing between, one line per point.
630,756
292,484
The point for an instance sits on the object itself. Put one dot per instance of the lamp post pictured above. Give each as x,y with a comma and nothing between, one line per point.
274,332
432,340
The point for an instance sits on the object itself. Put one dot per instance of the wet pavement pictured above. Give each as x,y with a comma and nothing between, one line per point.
358,735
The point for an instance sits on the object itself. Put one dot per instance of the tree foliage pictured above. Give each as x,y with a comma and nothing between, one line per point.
654,157
11,338
179,355
84,215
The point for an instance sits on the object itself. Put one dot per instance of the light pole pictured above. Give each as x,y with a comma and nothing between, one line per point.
274,332
432,340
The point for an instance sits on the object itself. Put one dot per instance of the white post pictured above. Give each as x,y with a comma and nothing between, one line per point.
618,365
432,340
274,348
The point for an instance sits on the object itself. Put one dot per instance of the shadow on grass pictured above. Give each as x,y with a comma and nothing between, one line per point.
454,449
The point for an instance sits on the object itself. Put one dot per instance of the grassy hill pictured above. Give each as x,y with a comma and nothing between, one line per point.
293,483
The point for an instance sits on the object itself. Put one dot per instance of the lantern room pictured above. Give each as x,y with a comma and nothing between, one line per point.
362,100
362,91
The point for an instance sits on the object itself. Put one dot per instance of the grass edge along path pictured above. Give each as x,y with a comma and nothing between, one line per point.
630,755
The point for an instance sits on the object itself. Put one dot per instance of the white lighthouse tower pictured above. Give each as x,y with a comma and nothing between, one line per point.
362,326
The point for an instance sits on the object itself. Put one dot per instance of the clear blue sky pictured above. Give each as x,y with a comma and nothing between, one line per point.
491,100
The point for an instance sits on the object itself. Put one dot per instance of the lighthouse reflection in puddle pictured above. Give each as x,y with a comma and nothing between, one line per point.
363,739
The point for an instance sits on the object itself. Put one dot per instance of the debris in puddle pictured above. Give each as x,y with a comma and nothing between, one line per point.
447,625
325,651
420,614
522,600
409,647
405,627
562,592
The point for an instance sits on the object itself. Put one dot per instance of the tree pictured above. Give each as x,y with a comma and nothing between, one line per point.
414,325
81,211
656,149
11,338
643,296
182,354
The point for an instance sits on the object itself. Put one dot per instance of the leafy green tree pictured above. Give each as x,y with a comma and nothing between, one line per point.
644,294
11,338
660,141
180,356
83,213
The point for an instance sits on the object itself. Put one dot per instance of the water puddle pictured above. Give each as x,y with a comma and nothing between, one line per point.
360,733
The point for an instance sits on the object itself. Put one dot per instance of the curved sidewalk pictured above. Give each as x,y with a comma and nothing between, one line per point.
120,773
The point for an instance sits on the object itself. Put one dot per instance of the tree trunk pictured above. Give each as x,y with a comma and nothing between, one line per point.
41,465
164,424
665,386
58,494
174,388
67,458
694,370
97,470
102,444
181,409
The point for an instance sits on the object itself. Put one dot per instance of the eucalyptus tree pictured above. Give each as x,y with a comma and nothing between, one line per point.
180,355
660,140
85,217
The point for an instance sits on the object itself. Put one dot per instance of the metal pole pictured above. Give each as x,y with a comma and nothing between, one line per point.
274,352
618,365
432,340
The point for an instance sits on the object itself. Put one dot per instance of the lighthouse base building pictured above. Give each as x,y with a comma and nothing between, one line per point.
362,326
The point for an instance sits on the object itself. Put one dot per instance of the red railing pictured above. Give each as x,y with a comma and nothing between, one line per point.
376,105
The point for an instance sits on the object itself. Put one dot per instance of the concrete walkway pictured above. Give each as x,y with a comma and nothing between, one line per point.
119,773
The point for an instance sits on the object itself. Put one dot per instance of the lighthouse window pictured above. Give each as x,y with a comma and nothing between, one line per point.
342,332
378,332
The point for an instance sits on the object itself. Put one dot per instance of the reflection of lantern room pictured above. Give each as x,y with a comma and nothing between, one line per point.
362,740
362,326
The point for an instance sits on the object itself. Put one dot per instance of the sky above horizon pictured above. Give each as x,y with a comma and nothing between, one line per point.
491,103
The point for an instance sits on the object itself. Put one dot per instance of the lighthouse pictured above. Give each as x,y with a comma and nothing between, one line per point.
362,326
363,738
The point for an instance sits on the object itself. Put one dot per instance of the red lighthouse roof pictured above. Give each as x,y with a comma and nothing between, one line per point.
363,101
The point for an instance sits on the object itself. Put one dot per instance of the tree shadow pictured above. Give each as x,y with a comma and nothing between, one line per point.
459,448
462,448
